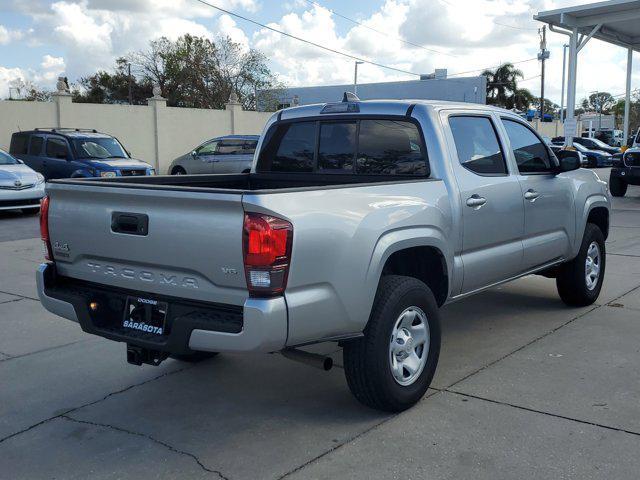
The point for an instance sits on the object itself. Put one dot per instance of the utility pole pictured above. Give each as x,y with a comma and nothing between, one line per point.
542,56
355,78
130,90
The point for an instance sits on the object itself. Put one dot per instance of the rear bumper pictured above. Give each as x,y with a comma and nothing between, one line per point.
260,325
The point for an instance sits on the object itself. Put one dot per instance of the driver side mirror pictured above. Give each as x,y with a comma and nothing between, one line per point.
569,160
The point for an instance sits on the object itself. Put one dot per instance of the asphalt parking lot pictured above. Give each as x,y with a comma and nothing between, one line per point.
526,388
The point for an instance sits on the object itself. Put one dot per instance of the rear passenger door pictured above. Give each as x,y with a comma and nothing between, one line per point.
491,201
57,160
228,156
549,209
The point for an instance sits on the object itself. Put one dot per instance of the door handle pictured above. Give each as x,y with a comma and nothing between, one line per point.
476,201
531,195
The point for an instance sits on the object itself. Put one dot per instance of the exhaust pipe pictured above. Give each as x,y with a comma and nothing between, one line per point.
315,360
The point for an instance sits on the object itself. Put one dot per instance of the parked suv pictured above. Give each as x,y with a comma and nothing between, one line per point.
75,153
625,172
229,154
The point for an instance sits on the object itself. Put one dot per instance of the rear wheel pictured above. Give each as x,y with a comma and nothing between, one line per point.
392,366
178,171
193,357
617,187
579,281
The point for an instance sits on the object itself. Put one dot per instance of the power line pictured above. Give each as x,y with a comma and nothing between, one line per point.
309,42
490,68
337,14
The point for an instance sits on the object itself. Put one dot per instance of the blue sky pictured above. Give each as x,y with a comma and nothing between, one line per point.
41,39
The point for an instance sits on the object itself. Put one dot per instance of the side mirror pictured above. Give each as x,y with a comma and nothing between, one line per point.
569,160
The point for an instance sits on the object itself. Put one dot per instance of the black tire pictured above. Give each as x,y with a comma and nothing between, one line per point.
617,187
571,280
178,171
31,211
592,163
193,357
367,360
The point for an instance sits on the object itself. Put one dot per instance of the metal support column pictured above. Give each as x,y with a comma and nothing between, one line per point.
570,122
627,97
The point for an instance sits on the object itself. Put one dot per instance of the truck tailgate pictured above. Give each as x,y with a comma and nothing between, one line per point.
192,247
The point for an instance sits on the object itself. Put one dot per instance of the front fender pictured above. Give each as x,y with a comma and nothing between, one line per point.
592,201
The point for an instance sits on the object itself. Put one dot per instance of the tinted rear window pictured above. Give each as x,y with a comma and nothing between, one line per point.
367,146
337,149
390,147
19,144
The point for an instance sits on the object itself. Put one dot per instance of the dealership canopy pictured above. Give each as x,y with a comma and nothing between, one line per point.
615,22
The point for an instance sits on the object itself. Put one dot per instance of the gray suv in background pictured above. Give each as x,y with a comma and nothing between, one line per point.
228,154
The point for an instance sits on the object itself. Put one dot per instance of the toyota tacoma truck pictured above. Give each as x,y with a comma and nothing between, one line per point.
358,221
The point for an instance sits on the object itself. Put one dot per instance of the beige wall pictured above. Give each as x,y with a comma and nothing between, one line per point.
549,129
154,133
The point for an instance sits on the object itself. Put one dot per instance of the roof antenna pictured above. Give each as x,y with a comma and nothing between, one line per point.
350,97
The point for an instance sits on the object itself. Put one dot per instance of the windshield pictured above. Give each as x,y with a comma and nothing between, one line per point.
580,147
600,143
99,148
6,159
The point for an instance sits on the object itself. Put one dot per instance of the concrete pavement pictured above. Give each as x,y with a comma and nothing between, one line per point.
526,387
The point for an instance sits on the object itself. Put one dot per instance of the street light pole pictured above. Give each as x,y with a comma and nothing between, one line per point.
355,78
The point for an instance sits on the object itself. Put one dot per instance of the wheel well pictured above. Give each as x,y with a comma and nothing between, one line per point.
248,170
599,216
427,264
177,168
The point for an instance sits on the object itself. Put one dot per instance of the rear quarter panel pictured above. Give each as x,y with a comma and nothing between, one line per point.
341,239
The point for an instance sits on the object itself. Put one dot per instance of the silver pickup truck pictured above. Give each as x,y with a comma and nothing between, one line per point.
358,221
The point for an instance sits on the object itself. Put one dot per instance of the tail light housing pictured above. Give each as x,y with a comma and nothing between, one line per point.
267,242
44,228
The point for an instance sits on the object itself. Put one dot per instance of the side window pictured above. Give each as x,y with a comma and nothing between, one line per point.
19,144
35,145
337,148
57,148
295,149
531,154
207,148
477,145
230,147
250,147
390,147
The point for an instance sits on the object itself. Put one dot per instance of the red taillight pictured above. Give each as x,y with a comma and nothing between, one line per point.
44,228
267,244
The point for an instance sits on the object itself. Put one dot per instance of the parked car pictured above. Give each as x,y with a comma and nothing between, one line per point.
593,158
229,154
358,221
559,150
591,143
20,187
625,172
73,153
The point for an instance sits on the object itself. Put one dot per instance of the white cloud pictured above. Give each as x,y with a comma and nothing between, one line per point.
7,36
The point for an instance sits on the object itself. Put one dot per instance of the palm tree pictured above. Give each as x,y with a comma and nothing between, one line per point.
521,99
502,84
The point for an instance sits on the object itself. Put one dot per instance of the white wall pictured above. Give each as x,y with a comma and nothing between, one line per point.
154,133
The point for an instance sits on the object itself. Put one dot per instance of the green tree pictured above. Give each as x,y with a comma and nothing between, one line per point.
599,102
26,90
199,73
502,85
105,87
